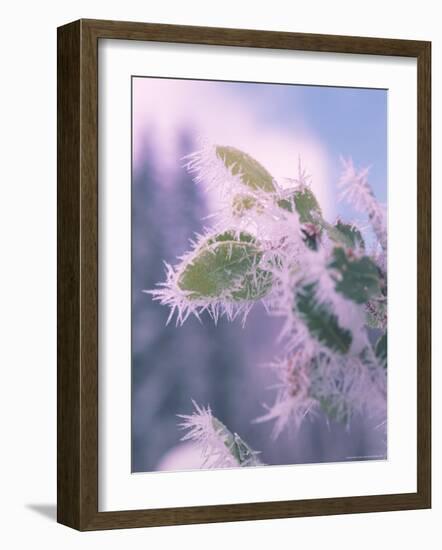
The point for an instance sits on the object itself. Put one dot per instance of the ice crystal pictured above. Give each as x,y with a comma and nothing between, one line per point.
357,191
219,447
293,400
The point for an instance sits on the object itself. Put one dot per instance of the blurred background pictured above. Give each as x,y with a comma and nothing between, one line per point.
222,366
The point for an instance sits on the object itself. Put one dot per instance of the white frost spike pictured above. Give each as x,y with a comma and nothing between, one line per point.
357,191
350,386
261,220
219,447
208,169
293,401
201,429
300,183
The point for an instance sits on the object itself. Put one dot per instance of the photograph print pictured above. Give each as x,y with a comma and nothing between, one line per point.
259,274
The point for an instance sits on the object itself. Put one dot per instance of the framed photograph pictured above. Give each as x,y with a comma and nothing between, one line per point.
243,274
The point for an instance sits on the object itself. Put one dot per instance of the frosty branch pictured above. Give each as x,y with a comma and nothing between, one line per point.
270,243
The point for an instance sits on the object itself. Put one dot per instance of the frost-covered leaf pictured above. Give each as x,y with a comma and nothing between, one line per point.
340,386
225,266
345,234
241,452
251,172
220,447
321,322
254,286
242,203
358,278
305,204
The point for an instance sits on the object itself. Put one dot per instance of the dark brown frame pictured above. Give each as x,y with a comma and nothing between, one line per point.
77,223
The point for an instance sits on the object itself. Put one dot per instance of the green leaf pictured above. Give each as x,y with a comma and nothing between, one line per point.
305,204
241,452
321,322
345,234
242,203
358,278
254,285
232,236
286,204
226,265
381,350
251,172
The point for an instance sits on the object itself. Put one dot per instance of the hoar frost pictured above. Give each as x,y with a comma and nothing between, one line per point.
270,243
220,448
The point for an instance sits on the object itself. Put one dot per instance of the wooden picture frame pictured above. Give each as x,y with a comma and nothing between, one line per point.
77,225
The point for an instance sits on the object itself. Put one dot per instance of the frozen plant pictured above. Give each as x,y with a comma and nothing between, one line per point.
271,244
